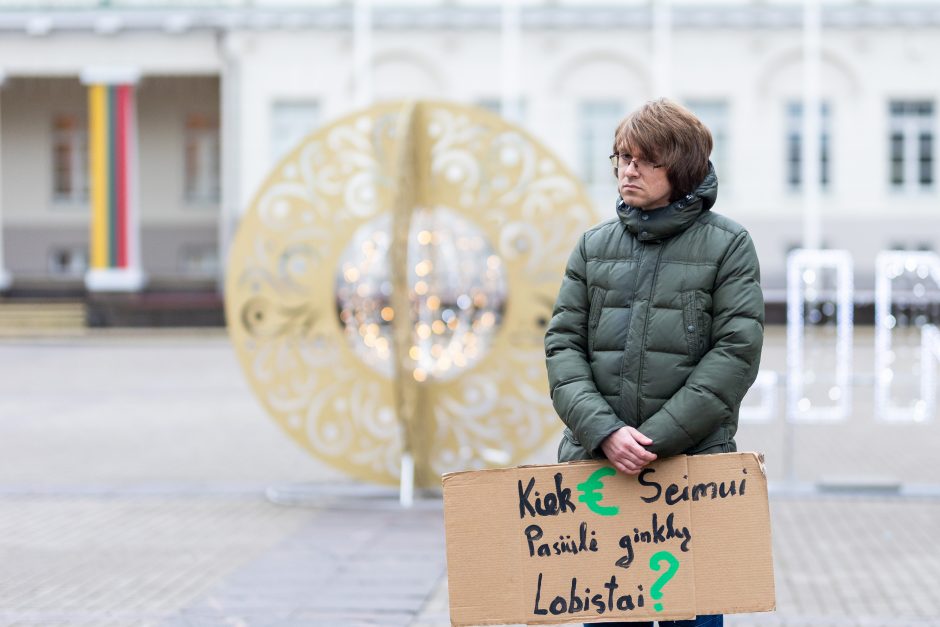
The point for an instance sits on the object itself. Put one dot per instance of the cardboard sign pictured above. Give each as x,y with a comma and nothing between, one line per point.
577,542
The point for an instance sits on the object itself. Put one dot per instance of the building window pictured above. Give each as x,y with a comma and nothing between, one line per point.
794,169
598,120
911,142
69,159
714,115
199,260
202,176
67,261
290,123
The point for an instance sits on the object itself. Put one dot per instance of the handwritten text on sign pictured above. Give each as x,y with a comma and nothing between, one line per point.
637,531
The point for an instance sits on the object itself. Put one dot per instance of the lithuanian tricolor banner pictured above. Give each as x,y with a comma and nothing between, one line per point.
111,136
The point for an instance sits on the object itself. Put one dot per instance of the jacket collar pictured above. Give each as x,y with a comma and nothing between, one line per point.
677,216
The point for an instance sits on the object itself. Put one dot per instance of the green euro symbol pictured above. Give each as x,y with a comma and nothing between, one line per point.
591,492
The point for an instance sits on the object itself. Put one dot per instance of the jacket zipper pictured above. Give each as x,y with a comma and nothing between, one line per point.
646,322
699,322
597,302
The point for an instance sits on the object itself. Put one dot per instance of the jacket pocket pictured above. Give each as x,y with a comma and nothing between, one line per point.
694,322
594,314
569,449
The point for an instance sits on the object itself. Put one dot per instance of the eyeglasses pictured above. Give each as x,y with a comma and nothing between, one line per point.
623,160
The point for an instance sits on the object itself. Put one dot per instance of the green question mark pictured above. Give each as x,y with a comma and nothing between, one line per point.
655,562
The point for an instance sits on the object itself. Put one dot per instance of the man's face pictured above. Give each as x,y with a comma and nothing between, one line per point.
641,185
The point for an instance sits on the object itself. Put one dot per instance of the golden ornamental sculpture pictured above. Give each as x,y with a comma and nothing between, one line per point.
388,289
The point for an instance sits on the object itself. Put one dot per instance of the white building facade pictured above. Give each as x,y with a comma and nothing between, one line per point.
223,92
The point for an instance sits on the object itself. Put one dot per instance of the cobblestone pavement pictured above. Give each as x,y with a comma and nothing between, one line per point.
124,561
141,484
839,561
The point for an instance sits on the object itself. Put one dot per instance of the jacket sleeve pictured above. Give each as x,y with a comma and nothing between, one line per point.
715,388
574,394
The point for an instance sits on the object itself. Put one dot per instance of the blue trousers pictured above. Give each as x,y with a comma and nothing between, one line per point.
715,620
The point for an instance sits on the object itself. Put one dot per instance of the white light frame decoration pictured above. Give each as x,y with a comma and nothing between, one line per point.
929,358
889,265
802,261
766,387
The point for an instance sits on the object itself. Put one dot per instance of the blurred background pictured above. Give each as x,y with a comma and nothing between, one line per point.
143,483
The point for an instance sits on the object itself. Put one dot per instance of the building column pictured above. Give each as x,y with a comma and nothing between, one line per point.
362,54
511,62
115,209
662,48
5,279
231,207
812,124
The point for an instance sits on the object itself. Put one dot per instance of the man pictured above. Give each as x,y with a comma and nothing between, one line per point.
657,331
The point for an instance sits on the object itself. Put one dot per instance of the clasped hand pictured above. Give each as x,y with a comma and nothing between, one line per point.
624,448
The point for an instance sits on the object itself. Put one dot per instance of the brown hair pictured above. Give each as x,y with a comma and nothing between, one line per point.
667,133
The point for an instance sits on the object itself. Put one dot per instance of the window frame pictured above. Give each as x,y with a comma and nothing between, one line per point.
715,114
595,139
910,121
74,139
793,146
202,188
277,149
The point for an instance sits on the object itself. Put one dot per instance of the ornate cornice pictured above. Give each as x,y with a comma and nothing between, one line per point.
548,17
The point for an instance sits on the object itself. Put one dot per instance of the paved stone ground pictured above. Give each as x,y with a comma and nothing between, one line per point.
74,560
839,561
141,484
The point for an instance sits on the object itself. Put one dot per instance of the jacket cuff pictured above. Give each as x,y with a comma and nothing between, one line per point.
668,436
592,444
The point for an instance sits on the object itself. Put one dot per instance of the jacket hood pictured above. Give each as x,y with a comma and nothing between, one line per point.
675,217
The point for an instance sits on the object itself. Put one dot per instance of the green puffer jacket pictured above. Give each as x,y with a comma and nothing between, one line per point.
658,325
